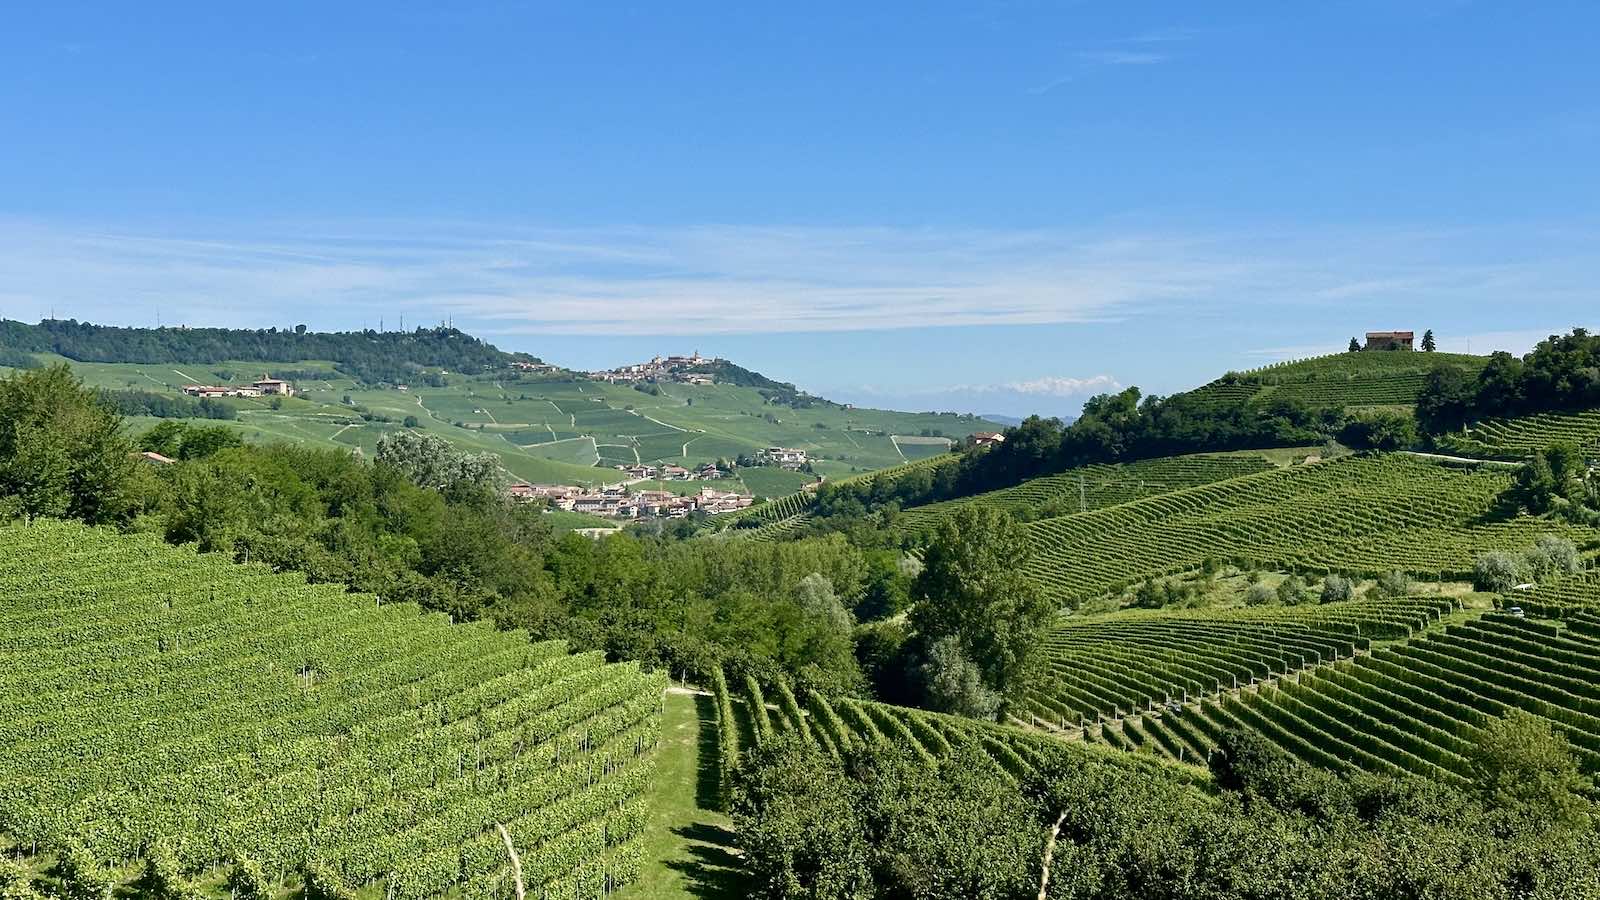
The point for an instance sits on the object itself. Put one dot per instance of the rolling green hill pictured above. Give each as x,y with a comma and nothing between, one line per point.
1341,379
553,429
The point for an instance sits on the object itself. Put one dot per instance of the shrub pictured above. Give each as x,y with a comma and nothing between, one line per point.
1337,588
1394,584
1260,595
1497,572
1291,591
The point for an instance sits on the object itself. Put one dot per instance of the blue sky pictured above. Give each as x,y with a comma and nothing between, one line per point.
1001,207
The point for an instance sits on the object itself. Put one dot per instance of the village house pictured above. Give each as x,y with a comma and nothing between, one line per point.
675,473
1389,340
987,438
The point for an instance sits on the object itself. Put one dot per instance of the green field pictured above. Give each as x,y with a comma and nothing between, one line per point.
228,715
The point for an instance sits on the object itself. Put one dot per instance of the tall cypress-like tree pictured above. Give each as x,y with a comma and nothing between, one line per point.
1355,346
1428,345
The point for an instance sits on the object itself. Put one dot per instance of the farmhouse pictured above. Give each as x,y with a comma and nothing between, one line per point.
274,386
1389,340
987,438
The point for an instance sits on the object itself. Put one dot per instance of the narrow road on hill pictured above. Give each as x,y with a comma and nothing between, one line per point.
1464,459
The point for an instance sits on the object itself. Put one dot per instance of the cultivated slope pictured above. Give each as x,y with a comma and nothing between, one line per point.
150,697
1364,514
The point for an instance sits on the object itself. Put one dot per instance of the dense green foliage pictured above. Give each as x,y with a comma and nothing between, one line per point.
1561,373
369,356
883,823
189,711
972,592
61,452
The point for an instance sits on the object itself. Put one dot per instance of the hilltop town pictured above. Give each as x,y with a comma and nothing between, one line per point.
691,369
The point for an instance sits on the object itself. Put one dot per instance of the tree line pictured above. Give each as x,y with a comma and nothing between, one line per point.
369,356
1562,372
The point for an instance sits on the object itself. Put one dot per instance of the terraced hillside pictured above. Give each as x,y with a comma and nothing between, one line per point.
1578,593
1360,514
837,726
1527,434
1092,487
1108,667
1407,707
227,722
1340,379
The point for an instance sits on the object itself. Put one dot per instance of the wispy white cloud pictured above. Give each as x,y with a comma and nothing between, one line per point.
1057,386
724,279
1121,57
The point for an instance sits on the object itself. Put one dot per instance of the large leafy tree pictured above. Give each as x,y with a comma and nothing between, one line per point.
972,589
61,452
432,462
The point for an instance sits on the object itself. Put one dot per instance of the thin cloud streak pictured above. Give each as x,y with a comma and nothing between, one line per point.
723,279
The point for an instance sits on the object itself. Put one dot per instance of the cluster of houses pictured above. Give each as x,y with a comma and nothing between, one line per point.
661,368
537,368
643,472
266,387
786,457
620,502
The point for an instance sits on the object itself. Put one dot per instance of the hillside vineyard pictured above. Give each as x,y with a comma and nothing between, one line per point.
1359,514
152,697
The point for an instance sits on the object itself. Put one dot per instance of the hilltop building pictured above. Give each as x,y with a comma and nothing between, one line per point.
1389,340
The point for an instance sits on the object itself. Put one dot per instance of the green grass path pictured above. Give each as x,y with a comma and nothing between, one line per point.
688,843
